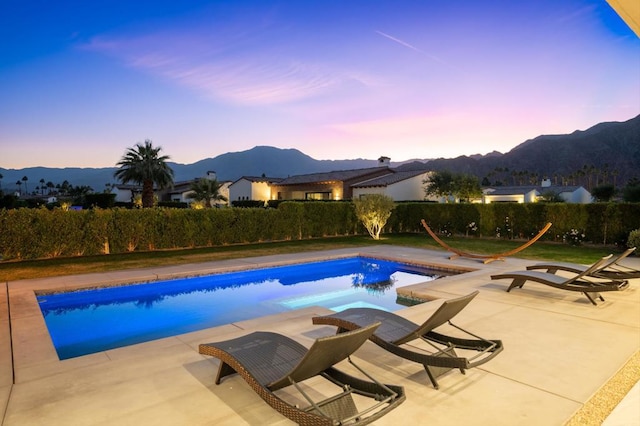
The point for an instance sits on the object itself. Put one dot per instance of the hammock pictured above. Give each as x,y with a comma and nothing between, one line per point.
486,258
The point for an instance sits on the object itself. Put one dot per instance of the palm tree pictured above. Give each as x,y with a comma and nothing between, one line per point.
42,186
65,187
19,183
26,189
206,191
143,165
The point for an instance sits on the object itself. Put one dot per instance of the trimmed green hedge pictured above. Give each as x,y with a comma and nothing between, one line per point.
602,223
43,233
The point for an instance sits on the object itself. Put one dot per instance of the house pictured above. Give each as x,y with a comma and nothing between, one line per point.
126,193
532,194
335,185
399,185
178,192
252,188
181,191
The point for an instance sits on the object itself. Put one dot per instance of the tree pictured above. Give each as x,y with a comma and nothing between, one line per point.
373,211
439,184
446,184
144,166
603,192
550,196
26,189
631,193
466,187
206,191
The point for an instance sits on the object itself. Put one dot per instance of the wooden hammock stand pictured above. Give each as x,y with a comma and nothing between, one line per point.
486,258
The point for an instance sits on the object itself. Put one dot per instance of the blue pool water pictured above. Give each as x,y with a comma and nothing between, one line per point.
84,322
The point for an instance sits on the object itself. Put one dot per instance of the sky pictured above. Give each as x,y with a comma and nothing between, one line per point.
83,81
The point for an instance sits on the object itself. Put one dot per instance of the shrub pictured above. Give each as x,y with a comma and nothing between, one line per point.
374,211
573,237
634,238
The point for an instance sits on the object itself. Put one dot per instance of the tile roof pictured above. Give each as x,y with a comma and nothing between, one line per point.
339,175
510,190
389,179
260,179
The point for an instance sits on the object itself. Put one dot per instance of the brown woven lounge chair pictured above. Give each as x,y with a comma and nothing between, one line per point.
395,332
612,269
579,282
271,361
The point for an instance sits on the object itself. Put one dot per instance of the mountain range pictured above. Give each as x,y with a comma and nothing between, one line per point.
611,149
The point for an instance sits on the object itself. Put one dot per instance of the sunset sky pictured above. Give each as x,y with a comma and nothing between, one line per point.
81,81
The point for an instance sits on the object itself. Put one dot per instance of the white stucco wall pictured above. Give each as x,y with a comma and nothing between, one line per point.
580,195
240,190
411,189
122,195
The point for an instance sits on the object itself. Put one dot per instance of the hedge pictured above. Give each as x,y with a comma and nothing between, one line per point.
42,233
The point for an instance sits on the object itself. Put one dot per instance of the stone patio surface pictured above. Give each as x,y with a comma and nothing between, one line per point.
559,352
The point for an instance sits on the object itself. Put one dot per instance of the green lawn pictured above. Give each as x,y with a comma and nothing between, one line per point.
12,271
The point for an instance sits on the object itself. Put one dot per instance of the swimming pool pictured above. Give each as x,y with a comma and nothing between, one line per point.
89,321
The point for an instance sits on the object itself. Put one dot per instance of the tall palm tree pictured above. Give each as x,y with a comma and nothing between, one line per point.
26,189
206,191
143,165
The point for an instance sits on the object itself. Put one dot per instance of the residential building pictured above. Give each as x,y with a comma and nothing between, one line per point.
257,188
181,191
532,194
335,185
126,193
401,186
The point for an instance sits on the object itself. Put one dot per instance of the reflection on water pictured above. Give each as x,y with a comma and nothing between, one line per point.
88,321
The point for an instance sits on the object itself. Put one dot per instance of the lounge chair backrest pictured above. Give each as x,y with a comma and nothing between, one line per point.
591,269
449,309
324,353
612,260
624,254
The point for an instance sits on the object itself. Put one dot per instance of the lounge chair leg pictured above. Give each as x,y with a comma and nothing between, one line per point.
224,370
592,299
435,371
434,382
516,283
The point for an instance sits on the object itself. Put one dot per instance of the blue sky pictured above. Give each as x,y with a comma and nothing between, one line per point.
81,81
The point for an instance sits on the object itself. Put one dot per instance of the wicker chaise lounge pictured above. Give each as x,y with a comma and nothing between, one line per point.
612,269
579,282
271,361
395,332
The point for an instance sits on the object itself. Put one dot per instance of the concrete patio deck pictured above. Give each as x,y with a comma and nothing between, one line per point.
559,352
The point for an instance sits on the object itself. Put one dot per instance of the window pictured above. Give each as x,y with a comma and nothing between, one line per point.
318,195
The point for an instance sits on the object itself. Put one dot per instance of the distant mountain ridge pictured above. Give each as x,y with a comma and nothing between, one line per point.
611,145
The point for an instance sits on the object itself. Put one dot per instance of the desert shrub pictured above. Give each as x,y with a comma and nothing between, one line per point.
634,239
373,211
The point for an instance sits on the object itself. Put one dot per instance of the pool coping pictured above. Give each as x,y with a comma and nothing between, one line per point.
399,293
33,357
36,347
